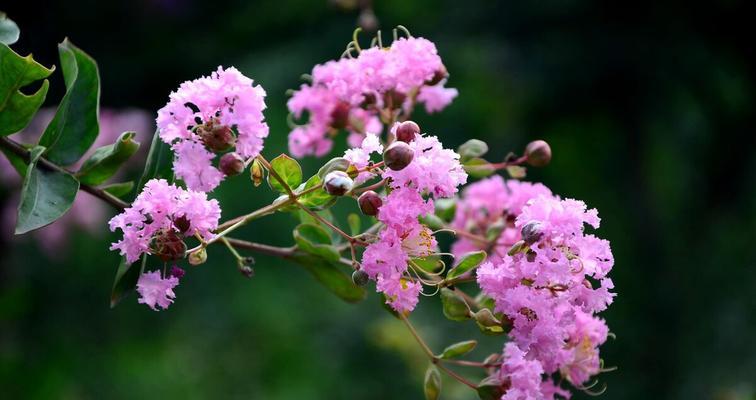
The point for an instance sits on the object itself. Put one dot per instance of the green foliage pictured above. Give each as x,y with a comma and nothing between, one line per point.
467,262
45,196
355,224
478,168
471,149
432,385
126,279
106,160
459,349
74,127
329,274
454,306
8,30
334,164
119,189
491,388
315,240
317,199
287,169
16,72
159,162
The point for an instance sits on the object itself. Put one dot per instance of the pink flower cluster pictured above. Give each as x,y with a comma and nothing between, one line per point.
492,204
162,208
207,113
351,93
154,290
434,171
551,290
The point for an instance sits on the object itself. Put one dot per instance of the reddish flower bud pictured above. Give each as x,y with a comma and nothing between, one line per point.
338,183
538,153
406,131
370,202
168,246
231,164
394,98
398,155
531,232
438,76
182,224
217,138
367,100
340,115
360,277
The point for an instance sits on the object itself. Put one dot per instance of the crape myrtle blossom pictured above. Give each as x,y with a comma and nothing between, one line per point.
550,290
156,291
212,115
161,215
353,92
493,204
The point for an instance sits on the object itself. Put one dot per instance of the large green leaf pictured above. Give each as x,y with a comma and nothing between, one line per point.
45,196
74,127
331,277
159,163
17,108
8,30
126,279
315,240
106,160
468,262
287,169
454,306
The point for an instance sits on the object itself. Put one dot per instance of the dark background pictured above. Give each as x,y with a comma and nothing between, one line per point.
649,112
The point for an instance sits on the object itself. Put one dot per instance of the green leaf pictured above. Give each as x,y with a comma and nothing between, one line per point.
334,164
491,388
446,208
74,127
478,168
516,172
288,169
16,72
106,160
318,199
159,164
432,221
455,308
18,163
315,240
488,323
331,277
126,279
432,385
468,262
9,31
119,189
471,149
45,196
430,264
459,349
355,224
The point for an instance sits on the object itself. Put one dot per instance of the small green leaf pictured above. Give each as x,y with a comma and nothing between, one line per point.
119,189
315,240
468,262
432,385
355,224
516,172
317,199
432,221
455,308
487,322
471,149
126,279
459,349
478,168
446,208
331,277
159,164
334,164
288,169
106,160
16,72
45,196
74,127
491,388
430,264
9,31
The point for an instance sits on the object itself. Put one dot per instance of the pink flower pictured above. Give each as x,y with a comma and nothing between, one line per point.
194,165
524,375
309,140
154,290
436,98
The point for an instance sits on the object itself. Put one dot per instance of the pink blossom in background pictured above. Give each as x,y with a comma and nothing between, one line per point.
87,212
436,98
156,291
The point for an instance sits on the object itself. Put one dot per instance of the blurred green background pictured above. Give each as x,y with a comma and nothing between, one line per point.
649,111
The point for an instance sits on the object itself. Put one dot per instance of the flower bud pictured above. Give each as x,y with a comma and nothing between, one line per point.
198,257
370,202
368,99
247,271
360,277
231,164
398,155
217,138
340,115
177,272
256,173
538,153
531,232
406,131
168,246
438,76
338,183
